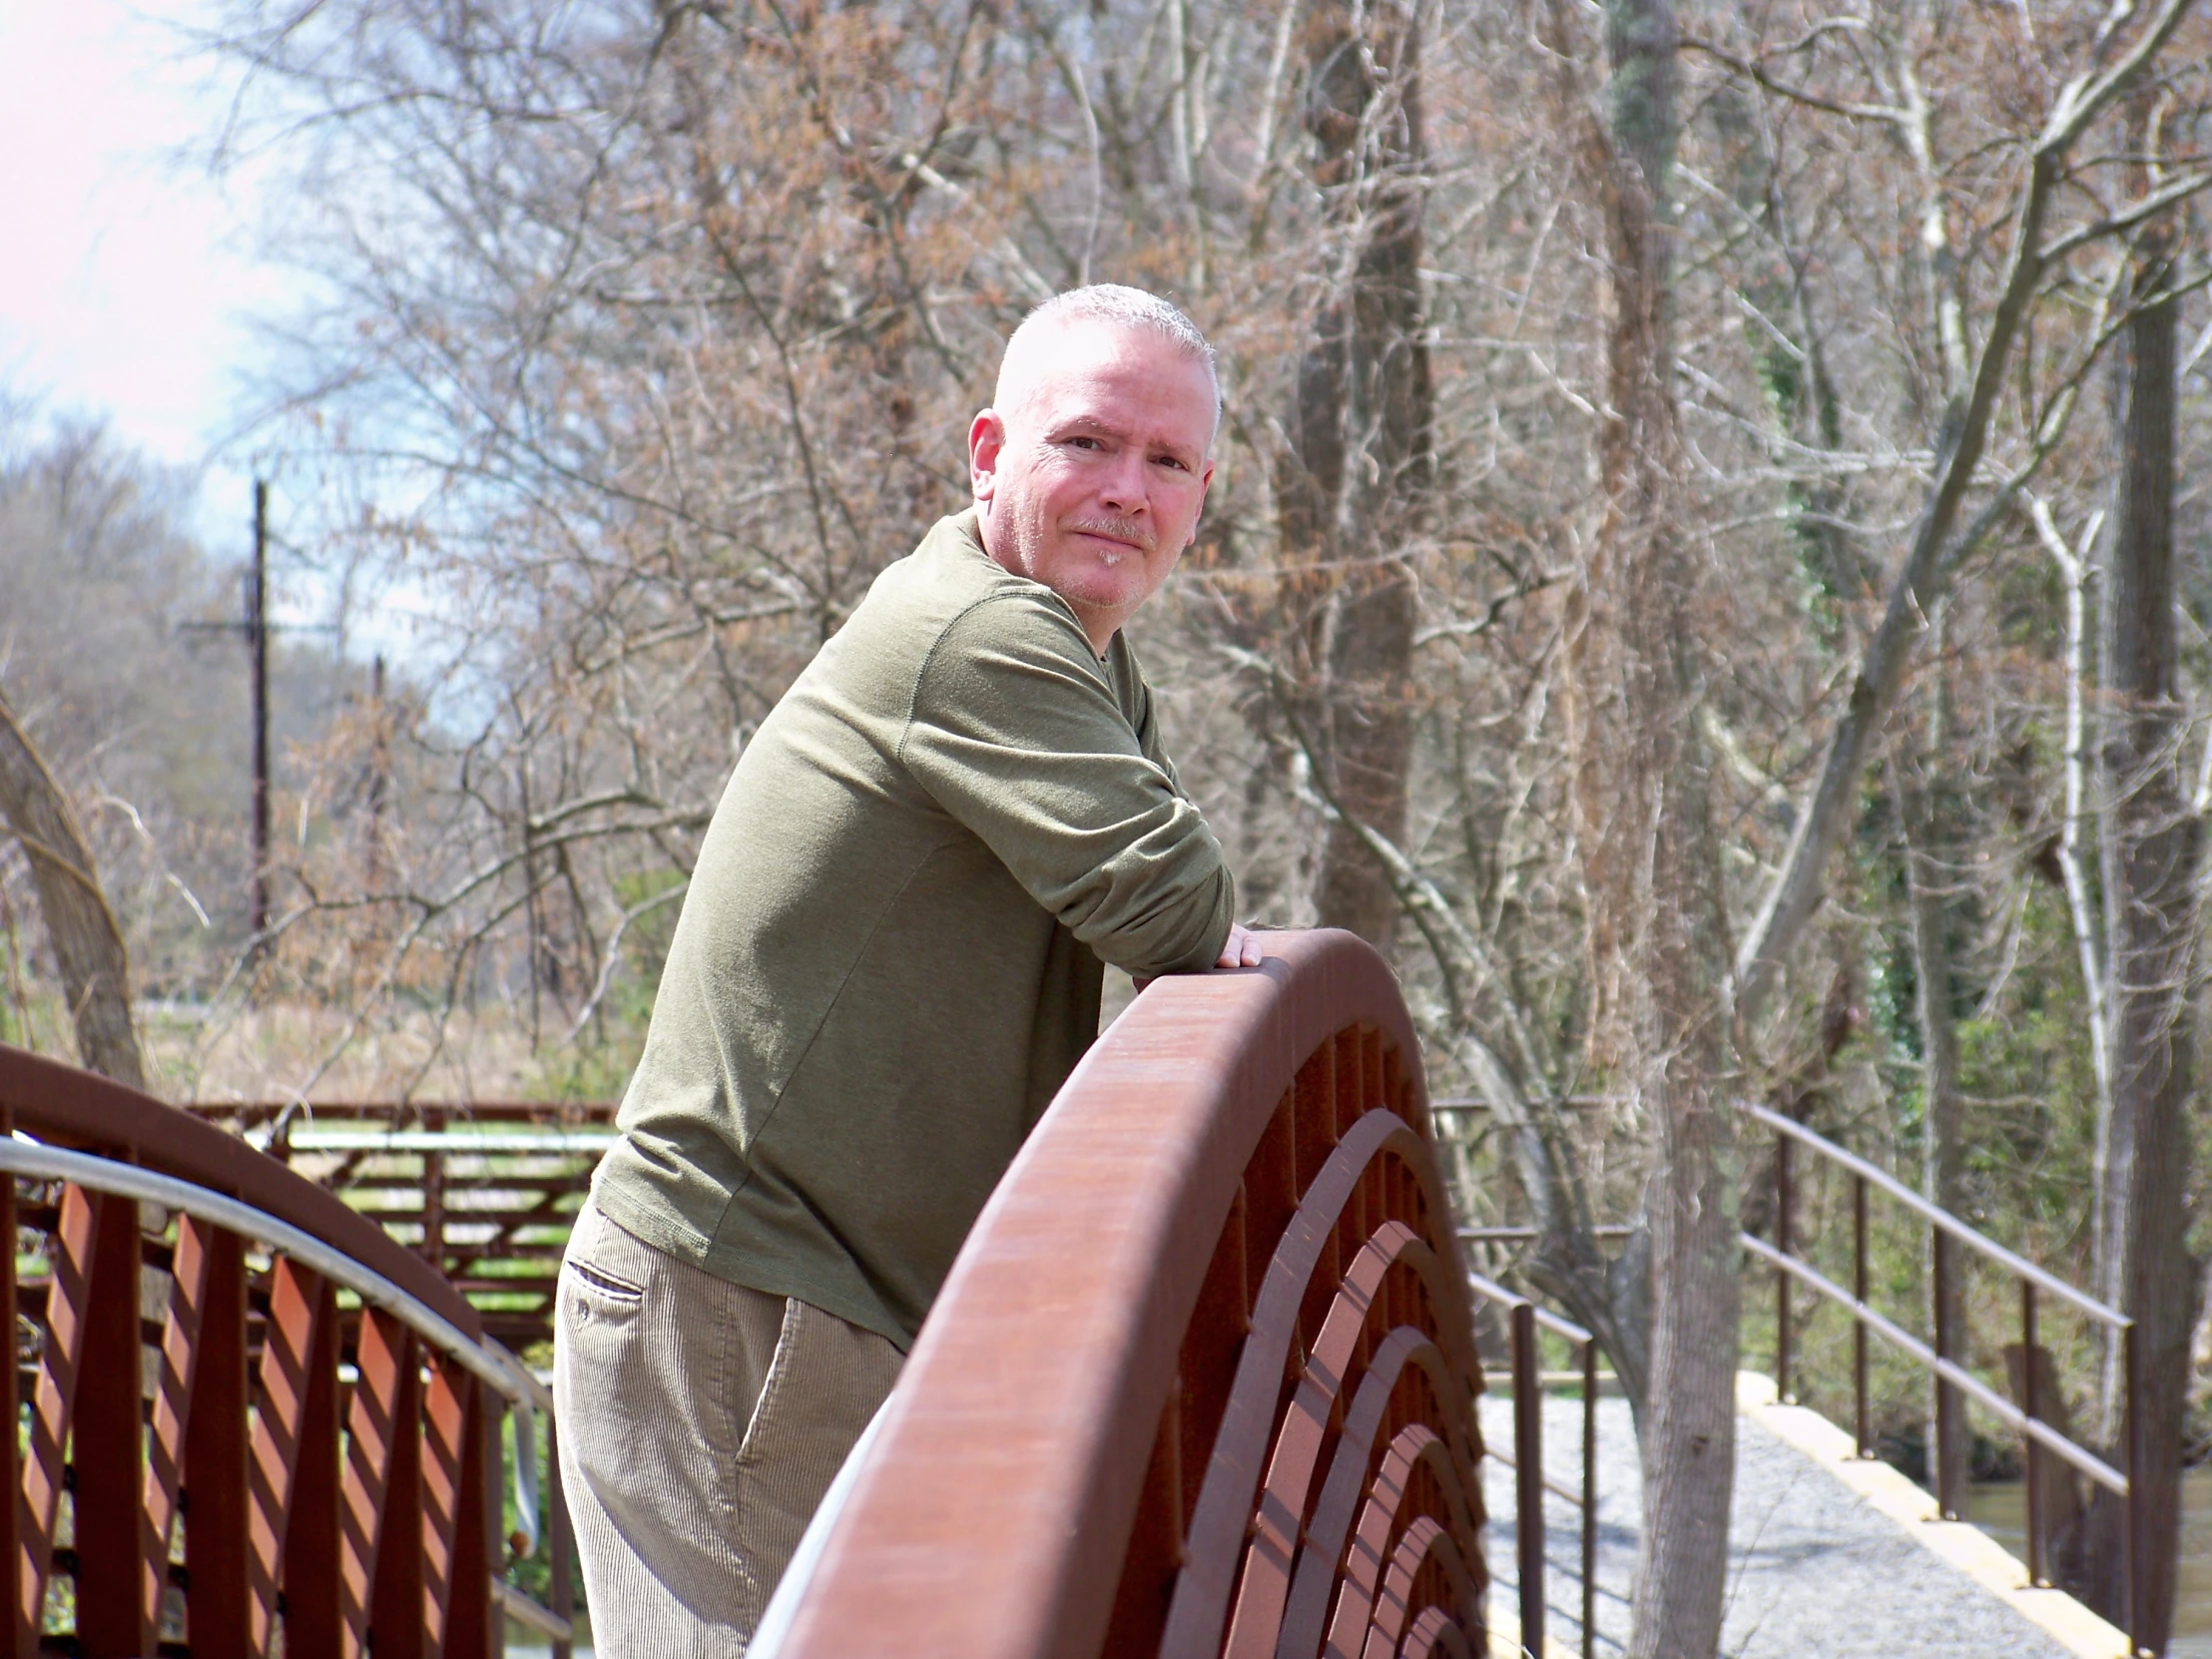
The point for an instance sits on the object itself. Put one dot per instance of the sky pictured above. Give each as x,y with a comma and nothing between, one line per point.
126,275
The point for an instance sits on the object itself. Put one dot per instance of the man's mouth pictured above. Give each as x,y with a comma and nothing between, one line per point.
1121,536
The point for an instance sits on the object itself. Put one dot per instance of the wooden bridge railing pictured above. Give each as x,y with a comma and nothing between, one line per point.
486,1190
1202,1381
256,1422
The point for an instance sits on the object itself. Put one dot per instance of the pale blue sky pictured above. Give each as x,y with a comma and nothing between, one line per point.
127,275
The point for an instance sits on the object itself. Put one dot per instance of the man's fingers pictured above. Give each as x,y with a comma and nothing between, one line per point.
1242,949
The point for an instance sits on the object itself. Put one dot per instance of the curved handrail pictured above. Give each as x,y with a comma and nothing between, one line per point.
991,1515
65,1107
486,1362
407,1428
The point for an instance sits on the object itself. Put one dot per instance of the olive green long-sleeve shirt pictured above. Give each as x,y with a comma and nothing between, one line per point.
889,959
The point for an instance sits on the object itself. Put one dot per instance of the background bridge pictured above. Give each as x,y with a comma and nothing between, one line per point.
1203,1380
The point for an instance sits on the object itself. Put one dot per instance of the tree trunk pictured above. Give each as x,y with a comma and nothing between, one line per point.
2149,850
1643,816
1931,846
96,971
1355,489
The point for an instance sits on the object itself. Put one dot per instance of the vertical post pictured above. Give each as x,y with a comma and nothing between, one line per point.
433,1195
2034,1452
311,1625
1862,1431
219,1596
2131,1379
1589,1499
1946,1398
561,1534
257,645
1528,1475
1782,1197
13,1530
107,1440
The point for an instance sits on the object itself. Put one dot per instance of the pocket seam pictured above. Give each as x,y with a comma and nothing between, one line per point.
605,1283
780,1365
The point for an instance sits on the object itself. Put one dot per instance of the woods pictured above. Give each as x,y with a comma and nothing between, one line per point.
1707,567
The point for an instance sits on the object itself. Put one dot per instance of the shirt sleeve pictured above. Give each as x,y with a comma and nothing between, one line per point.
1015,733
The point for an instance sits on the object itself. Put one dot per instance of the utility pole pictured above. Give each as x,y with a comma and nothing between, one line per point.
257,643
379,773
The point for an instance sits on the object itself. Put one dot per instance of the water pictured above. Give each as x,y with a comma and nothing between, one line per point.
2002,1511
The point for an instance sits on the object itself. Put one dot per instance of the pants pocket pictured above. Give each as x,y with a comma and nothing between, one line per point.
761,1425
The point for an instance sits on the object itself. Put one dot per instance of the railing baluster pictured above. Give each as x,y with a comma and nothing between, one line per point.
312,1628
561,1535
433,1195
1529,1475
474,1628
218,1517
1589,1499
382,1567
296,1300
1860,1430
2031,1393
107,1441
445,1449
53,1399
165,1450
14,1527
1782,1200
2133,1571
1947,1461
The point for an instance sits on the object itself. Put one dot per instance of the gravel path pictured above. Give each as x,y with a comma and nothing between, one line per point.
1814,1571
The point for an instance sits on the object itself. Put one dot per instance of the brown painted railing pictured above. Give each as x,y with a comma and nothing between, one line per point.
255,1420
1524,1361
1952,1382
1202,1379
486,1190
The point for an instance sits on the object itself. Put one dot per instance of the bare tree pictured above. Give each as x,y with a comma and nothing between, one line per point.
1354,485
94,968
2151,837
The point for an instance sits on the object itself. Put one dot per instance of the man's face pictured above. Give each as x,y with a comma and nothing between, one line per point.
1093,482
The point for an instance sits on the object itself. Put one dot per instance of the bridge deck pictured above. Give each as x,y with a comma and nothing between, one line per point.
1816,1569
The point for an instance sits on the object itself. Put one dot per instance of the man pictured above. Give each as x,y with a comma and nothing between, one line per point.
888,960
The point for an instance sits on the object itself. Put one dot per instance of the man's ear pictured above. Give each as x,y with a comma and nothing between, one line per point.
987,437
1205,484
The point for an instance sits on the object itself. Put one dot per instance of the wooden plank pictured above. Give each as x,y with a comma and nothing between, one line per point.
12,1515
218,1517
107,1438
379,1546
300,1306
475,1628
78,1330
311,1622
447,1406
53,1399
165,1452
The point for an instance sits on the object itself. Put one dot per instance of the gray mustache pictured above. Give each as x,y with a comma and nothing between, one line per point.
1121,529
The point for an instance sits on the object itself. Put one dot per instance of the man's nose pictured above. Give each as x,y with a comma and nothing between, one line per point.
1123,487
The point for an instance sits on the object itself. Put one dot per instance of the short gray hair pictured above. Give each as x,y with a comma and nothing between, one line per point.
1113,302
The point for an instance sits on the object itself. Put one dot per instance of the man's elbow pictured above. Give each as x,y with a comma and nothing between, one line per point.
1185,936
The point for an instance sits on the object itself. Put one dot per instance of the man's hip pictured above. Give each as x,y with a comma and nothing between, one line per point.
701,1422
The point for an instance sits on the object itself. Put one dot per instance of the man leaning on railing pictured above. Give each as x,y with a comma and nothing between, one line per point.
888,961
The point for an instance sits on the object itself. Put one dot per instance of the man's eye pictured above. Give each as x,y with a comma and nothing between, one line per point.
1083,443
1170,460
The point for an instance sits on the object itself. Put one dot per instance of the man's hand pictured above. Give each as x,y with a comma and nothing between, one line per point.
1242,950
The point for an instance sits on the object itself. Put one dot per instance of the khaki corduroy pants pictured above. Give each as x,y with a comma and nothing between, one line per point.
700,1424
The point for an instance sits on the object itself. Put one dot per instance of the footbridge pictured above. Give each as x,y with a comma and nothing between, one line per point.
1204,1380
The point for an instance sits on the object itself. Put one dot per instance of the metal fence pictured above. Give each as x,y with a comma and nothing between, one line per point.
1952,1382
